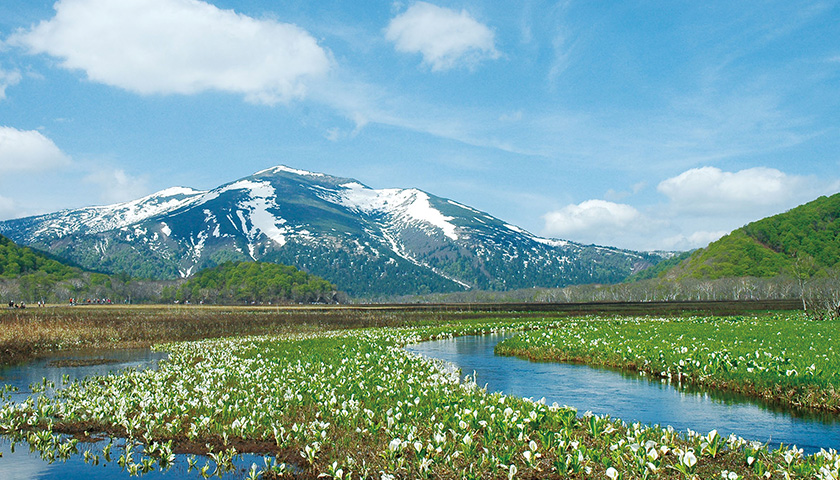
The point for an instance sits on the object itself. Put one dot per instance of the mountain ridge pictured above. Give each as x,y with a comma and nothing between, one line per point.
369,242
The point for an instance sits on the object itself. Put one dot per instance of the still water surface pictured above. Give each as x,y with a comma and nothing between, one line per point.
604,392
25,465
631,398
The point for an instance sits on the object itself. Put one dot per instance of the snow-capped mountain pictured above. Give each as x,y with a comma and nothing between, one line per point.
368,242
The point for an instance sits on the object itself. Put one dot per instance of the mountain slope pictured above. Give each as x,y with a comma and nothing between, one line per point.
16,261
368,242
770,246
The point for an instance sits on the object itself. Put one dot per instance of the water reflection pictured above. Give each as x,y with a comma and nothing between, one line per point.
20,463
630,398
70,366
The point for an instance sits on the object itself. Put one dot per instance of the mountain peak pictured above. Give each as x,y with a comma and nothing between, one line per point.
286,169
369,242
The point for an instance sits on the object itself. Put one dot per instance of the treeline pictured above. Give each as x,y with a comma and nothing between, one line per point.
28,276
252,283
649,290
820,294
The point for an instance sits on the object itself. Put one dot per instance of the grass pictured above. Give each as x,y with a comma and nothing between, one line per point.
781,358
25,334
354,404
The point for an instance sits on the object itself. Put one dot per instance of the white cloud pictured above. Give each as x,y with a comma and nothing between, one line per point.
593,221
8,208
8,79
712,191
179,46
682,242
114,185
701,205
444,37
28,151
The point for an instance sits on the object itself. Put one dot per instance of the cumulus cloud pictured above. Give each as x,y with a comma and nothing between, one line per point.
685,242
445,38
115,185
712,191
28,151
699,206
8,79
593,221
179,47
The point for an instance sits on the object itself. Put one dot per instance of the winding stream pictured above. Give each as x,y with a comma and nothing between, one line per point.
631,398
604,392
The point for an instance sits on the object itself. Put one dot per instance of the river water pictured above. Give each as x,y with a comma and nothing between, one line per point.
604,392
630,397
22,464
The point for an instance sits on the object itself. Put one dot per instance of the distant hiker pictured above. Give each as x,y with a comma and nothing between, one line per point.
11,304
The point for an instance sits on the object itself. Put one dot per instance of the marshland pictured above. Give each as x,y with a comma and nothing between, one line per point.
332,392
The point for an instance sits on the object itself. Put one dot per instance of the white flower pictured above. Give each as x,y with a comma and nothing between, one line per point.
689,459
395,445
612,473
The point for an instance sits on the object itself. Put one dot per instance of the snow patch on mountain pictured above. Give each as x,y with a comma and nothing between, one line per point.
285,169
260,198
516,229
404,204
116,216
452,202
550,242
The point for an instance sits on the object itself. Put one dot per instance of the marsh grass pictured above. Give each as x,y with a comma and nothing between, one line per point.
32,332
355,404
786,359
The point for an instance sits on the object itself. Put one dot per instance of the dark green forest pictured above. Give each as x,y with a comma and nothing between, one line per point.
252,282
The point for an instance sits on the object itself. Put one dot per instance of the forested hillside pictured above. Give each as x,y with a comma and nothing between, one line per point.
16,261
772,246
252,282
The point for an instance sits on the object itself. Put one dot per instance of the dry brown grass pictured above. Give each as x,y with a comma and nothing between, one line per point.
31,332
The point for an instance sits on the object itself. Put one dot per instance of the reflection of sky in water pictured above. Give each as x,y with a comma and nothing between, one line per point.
22,376
21,465
26,465
632,399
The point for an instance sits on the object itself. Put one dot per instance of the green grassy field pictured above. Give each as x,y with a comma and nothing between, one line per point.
353,403
782,358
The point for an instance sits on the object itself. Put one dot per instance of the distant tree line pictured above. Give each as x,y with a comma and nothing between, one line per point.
818,290
252,283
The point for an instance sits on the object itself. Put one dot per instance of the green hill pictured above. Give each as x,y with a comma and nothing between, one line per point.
16,261
253,282
769,247
27,275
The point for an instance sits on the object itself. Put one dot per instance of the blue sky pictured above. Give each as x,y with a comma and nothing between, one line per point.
645,125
